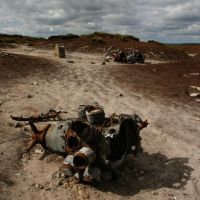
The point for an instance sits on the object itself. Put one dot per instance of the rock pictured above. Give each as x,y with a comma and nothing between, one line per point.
29,96
93,63
154,193
195,87
103,63
197,100
195,94
172,197
70,61
121,95
35,83
38,151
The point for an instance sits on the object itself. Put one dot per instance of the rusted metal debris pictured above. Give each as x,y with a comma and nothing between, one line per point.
130,57
50,115
92,144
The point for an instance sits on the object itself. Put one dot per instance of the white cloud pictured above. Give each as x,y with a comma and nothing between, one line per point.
168,21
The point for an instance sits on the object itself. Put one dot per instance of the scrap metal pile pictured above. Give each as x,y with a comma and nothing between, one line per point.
130,57
94,146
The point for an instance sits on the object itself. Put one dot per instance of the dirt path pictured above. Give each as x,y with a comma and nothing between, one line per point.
169,167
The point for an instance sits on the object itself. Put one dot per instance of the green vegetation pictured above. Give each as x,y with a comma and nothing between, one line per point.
154,42
63,37
97,39
126,37
19,39
174,46
117,36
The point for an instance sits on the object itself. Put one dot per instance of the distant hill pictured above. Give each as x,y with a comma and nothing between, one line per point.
99,42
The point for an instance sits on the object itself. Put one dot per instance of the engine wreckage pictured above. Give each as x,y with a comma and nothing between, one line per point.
94,146
130,57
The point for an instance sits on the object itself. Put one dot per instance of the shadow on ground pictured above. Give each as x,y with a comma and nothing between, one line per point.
149,172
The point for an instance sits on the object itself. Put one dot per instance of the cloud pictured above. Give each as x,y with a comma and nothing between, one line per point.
167,21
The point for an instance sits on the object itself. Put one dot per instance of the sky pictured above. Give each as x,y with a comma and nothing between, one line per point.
171,21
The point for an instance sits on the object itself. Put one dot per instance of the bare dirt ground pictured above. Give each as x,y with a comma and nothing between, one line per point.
169,167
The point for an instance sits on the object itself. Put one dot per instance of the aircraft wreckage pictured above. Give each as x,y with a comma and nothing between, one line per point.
93,145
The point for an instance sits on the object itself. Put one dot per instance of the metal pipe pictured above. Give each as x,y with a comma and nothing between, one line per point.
84,157
68,168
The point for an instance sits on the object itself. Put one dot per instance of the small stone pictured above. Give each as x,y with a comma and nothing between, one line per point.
154,193
35,83
176,185
121,95
195,94
172,197
29,96
103,63
38,151
198,100
70,61
93,63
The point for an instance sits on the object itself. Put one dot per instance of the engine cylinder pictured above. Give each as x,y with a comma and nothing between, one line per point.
84,157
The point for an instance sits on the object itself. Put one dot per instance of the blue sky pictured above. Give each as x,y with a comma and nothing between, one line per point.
163,20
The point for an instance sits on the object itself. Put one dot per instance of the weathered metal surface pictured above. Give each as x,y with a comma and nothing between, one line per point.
91,149
55,138
84,157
